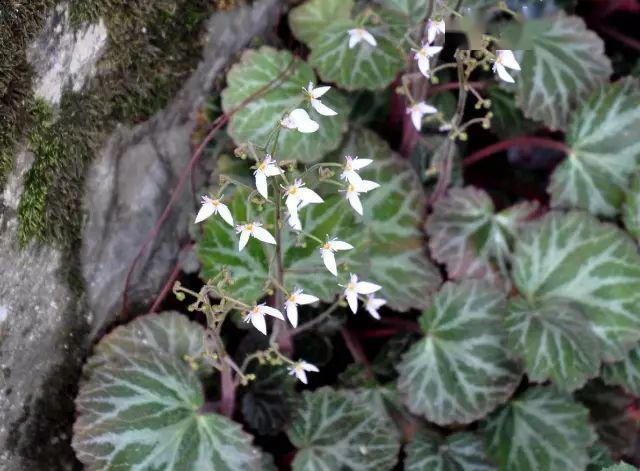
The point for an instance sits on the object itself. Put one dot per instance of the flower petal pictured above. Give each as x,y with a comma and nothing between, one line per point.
352,300
261,184
321,108
244,238
329,261
354,201
206,211
259,323
225,214
340,245
424,66
367,36
273,170
503,74
508,59
309,196
426,109
292,313
301,375
416,119
318,92
306,299
309,367
263,235
358,164
365,186
307,127
294,222
364,287
272,311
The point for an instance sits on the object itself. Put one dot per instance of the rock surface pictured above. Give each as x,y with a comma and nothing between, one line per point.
46,326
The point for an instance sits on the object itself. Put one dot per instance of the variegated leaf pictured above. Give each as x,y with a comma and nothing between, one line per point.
631,208
555,340
572,258
282,76
145,412
308,20
562,63
604,151
626,372
460,370
470,237
540,430
333,431
462,451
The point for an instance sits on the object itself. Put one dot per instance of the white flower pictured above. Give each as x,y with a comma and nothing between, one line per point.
355,287
505,59
424,54
298,197
299,370
294,221
373,304
314,95
351,167
253,229
417,111
211,207
358,34
434,28
354,190
299,119
328,250
297,298
267,168
256,316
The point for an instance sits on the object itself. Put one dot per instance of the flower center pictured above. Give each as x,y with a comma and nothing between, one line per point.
351,189
360,32
293,190
351,286
292,298
262,166
327,246
249,227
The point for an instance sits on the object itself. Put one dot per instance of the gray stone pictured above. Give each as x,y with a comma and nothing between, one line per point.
46,326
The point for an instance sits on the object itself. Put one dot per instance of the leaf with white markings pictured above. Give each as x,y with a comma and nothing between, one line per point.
457,452
555,340
460,370
540,430
308,20
626,372
144,412
573,259
262,108
631,208
333,431
470,237
414,10
562,63
604,151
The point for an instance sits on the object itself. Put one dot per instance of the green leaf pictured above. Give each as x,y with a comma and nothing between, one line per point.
144,412
308,20
168,333
540,430
333,431
604,151
394,257
457,452
573,259
470,237
460,370
362,66
555,340
600,457
508,120
562,63
218,248
626,372
257,118
414,10
622,466
631,208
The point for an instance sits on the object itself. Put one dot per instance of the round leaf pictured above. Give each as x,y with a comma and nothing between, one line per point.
540,430
626,372
572,258
363,66
144,412
631,210
256,119
460,451
308,20
562,63
460,370
413,10
556,342
333,431
605,150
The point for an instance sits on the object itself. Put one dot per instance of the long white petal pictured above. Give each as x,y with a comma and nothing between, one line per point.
294,222
225,214
353,38
261,184
309,196
262,234
365,186
416,119
503,74
292,313
426,109
309,367
318,92
306,299
259,323
354,201
373,312
321,108
352,177
272,311
330,262
367,36
299,115
292,203
307,127
358,164
301,375
206,210
433,50
244,238
423,65
508,59
273,170
340,245
352,299
364,287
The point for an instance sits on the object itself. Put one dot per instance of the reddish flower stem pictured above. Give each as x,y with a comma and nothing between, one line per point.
378,333
618,36
228,392
404,324
169,284
524,141
356,350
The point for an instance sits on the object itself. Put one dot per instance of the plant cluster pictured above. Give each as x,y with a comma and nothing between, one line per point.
525,353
